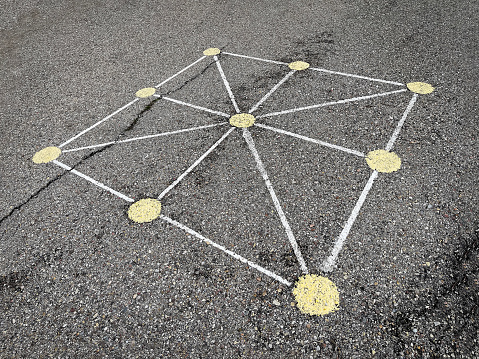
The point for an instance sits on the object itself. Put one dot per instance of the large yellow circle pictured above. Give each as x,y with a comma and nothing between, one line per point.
46,155
144,210
383,161
242,120
211,51
298,65
316,295
420,87
146,92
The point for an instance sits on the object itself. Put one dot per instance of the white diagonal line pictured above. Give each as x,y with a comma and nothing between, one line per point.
227,251
277,205
145,137
179,72
95,182
395,135
322,143
98,123
194,106
256,58
330,262
265,97
198,161
355,99
227,85
356,76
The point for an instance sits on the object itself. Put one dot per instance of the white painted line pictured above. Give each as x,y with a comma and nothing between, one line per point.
198,161
179,72
227,251
282,216
194,106
256,58
322,143
145,137
255,107
357,76
395,135
99,122
331,103
227,85
330,262
96,183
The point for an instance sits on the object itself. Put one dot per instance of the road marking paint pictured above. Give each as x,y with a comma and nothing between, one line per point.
357,76
181,71
298,65
211,51
316,295
265,97
277,205
383,161
330,262
355,99
145,92
395,135
145,210
322,143
145,137
95,182
46,155
98,123
198,161
227,85
227,251
194,106
256,58
420,88
242,120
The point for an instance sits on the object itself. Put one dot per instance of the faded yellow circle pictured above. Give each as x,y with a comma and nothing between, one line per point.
144,210
383,161
420,87
46,155
298,65
146,92
316,295
242,120
211,51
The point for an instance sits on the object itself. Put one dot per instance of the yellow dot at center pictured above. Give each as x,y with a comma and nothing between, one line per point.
421,88
146,92
46,155
383,161
144,210
298,65
211,51
242,120
316,295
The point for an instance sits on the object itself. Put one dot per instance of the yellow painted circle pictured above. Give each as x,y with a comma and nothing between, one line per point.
316,295
420,87
46,155
211,51
242,120
146,92
144,210
298,65
383,161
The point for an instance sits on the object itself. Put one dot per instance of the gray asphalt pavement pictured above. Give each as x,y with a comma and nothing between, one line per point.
246,214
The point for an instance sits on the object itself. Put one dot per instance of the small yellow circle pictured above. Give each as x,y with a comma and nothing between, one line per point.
242,120
383,161
144,210
298,65
420,87
316,295
211,51
146,92
46,155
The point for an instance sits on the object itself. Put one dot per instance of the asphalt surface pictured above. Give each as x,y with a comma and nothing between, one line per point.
78,278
